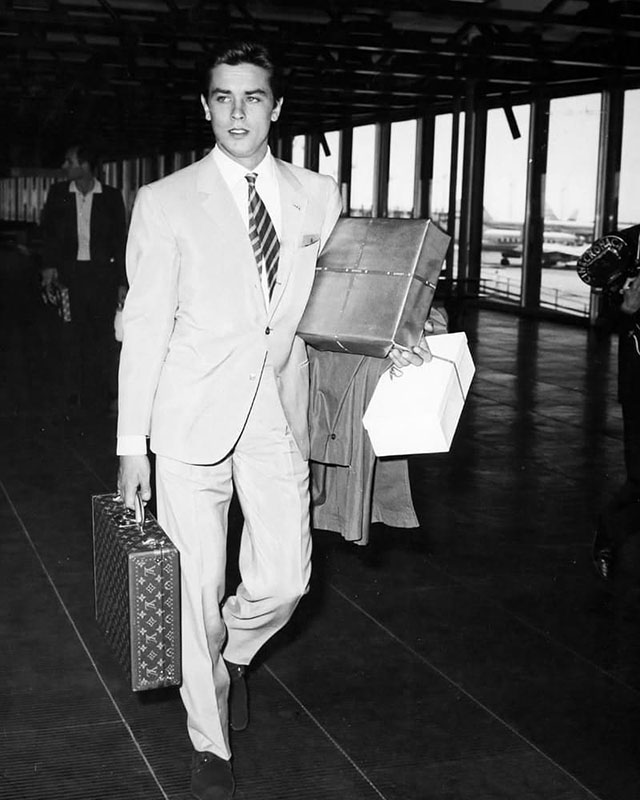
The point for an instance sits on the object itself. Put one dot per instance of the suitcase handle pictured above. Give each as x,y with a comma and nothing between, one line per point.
124,520
139,511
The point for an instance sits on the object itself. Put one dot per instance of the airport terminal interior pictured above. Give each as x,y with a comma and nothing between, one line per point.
477,656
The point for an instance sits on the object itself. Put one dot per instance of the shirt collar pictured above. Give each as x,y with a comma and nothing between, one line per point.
233,173
96,189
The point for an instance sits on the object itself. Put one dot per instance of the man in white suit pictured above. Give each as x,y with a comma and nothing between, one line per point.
213,373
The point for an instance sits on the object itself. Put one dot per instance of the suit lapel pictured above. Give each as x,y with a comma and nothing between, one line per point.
217,201
228,234
293,203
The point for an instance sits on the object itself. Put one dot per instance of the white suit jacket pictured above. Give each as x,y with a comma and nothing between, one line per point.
196,329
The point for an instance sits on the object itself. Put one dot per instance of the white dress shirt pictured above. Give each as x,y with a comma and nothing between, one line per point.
84,203
268,188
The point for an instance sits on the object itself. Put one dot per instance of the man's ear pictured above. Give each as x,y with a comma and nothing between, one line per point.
205,107
277,109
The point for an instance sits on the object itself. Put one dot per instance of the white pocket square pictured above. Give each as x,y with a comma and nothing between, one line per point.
309,238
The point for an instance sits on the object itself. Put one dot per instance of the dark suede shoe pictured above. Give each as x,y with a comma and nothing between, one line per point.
211,777
238,697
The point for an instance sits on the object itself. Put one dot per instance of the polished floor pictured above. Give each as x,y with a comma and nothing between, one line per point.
476,658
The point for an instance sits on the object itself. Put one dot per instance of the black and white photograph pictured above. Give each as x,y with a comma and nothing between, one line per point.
319,400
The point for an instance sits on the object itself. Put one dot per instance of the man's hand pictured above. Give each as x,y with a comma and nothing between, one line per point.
134,474
48,281
48,276
631,297
417,355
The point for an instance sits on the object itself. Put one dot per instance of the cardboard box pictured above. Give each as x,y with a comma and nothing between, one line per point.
418,412
374,285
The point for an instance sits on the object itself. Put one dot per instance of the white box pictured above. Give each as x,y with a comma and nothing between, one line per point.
418,411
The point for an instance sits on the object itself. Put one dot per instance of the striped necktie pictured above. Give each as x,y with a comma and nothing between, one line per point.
262,234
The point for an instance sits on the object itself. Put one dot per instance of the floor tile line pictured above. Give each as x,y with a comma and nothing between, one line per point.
326,733
459,687
80,638
530,625
408,647
477,392
58,728
87,465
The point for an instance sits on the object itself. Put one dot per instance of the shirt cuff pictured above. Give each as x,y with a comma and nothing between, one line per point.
131,446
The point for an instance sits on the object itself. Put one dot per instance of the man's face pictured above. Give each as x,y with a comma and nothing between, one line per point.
72,166
241,108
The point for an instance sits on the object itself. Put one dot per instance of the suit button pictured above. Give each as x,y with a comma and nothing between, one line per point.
252,377
333,436
267,330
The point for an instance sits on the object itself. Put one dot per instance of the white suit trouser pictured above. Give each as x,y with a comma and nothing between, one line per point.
272,482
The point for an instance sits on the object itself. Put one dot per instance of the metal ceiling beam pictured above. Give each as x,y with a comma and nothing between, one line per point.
134,67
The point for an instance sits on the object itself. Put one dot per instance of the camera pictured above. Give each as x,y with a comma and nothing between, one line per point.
610,262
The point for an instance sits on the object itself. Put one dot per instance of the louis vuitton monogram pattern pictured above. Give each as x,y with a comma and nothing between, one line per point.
137,591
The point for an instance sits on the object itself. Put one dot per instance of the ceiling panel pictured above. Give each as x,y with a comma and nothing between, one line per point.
125,71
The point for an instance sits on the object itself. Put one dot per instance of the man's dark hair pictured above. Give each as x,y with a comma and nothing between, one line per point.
243,52
88,153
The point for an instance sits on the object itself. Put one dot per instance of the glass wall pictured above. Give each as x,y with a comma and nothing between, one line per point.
110,173
363,171
130,182
402,169
442,178
505,190
570,200
330,164
441,169
629,202
297,150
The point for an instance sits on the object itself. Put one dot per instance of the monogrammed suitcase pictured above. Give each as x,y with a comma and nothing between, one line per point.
137,593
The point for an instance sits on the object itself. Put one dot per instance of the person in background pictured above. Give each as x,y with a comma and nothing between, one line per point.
221,258
84,232
620,517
